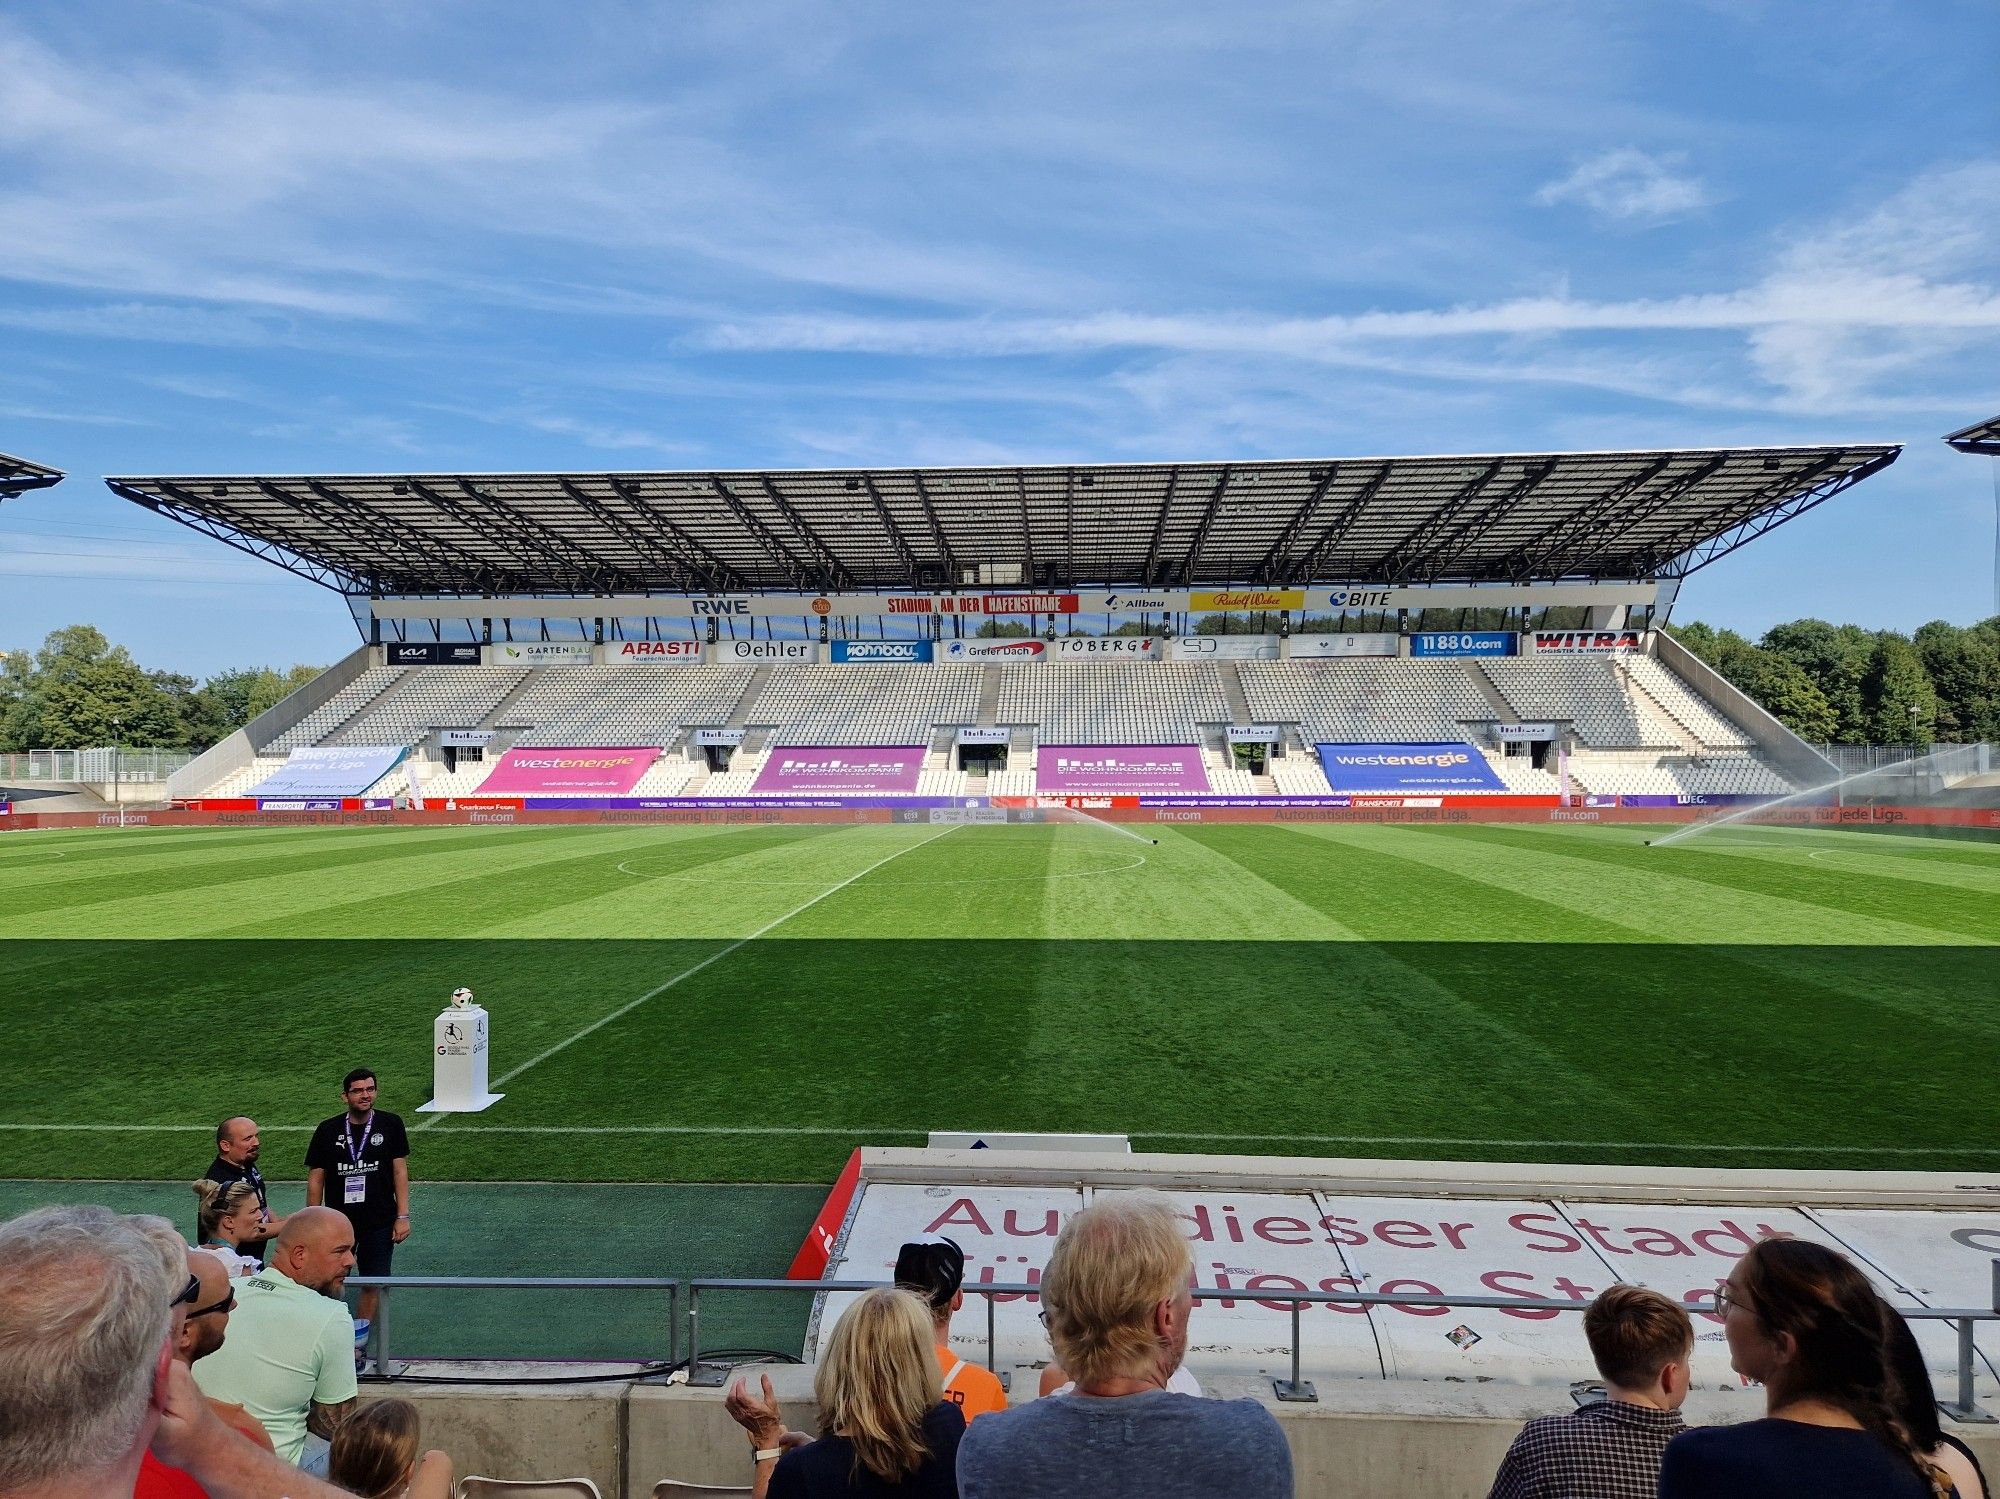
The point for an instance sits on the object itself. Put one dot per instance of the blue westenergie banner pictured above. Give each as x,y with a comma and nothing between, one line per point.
1407,767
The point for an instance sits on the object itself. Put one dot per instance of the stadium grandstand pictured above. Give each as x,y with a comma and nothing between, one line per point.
1422,628
18,476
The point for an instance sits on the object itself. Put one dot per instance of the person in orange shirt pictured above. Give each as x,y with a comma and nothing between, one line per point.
934,1268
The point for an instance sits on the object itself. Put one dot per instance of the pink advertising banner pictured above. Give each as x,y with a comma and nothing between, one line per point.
841,770
1111,769
547,770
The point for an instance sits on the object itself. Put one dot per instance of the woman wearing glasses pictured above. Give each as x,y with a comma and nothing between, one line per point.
1807,1325
229,1217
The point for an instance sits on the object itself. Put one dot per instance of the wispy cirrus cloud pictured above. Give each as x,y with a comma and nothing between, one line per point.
1626,186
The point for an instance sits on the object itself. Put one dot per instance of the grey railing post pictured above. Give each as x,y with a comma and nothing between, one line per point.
989,1329
380,1334
1295,1388
694,1331
674,1323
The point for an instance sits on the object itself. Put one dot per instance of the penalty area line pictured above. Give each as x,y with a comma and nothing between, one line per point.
687,973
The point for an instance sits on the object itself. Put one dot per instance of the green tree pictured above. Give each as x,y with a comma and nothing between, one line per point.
1897,695
1002,629
1836,657
1785,692
1964,668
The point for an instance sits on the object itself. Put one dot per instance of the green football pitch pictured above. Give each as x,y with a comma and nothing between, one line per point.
747,1004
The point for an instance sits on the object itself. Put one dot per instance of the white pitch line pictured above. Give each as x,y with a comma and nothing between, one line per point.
687,973
901,1129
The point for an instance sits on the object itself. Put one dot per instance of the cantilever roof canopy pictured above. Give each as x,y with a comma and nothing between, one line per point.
1485,518
18,476
1980,437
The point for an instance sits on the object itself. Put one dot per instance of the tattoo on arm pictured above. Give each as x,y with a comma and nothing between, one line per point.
324,1420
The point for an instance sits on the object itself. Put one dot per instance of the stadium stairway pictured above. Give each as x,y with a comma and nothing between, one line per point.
1232,693
1650,700
989,700
1501,707
498,716
752,690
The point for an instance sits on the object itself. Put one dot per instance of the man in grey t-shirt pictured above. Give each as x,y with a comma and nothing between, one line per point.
1116,1297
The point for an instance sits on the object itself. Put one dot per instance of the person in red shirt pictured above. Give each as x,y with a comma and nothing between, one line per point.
200,1335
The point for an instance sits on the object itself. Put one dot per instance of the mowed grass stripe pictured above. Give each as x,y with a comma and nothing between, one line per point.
1959,913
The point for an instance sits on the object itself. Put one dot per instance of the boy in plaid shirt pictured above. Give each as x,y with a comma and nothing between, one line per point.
1611,1449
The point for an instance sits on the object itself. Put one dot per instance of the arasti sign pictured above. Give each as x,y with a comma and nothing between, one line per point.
652,653
992,650
1464,643
1105,648
1577,642
763,650
540,653
1527,732
545,771
1115,769
841,770
1407,767
1317,647
329,770
881,652
1223,648
431,653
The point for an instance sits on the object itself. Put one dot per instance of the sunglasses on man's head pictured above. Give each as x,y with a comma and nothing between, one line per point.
227,1304
190,1293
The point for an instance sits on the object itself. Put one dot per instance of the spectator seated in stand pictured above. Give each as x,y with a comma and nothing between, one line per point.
289,1357
1917,1409
229,1222
886,1430
93,1306
205,1325
376,1455
1117,1294
1643,1344
934,1269
1807,1325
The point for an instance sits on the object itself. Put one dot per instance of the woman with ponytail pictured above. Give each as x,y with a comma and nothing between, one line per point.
1807,1325
227,1219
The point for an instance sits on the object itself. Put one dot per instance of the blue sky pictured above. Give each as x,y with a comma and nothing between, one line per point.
297,235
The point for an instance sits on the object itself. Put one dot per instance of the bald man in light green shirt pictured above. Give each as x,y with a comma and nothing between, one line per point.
289,1356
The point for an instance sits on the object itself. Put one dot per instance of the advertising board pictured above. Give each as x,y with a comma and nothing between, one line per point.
1223,648
1140,603
430,653
329,770
1111,769
464,738
540,653
1235,600
1407,767
1464,643
841,770
984,736
1029,603
718,736
992,650
651,653
540,771
1315,647
1527,732
763,650
881,652
1105,648
1254,734
1579,642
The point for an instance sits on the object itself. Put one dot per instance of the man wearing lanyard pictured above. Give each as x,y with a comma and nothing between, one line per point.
358,1163
236,1151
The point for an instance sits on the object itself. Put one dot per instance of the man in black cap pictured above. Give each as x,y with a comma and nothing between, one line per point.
934,1268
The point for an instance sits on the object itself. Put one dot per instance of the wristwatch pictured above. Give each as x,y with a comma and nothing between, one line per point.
765,1454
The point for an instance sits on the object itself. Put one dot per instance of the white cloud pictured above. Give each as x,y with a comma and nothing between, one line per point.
1630,186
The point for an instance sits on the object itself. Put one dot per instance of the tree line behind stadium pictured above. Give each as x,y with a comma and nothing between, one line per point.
1827,683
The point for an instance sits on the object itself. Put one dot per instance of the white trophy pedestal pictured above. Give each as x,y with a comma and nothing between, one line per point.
459,1041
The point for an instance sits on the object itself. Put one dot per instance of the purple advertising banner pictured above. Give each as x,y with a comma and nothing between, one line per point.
840,770
1119,769
525,771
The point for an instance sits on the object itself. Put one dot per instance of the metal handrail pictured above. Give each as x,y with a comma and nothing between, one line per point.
378,1334
1964,1408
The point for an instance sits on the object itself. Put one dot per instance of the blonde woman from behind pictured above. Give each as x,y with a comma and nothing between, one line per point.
375,1456
886,1430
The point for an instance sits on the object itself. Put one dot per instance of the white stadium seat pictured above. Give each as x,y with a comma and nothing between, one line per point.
1124,702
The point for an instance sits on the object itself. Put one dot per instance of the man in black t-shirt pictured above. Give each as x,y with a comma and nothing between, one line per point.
236,1151
358,1163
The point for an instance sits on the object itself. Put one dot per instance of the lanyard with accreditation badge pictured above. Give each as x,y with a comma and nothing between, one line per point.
354,1187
